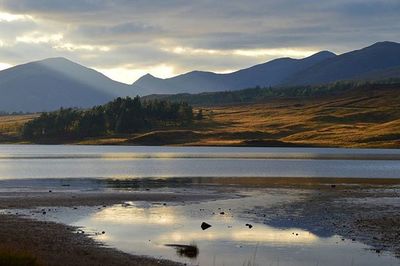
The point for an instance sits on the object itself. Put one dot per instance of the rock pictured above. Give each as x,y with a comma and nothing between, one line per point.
249,226
103,232
222,213
205,225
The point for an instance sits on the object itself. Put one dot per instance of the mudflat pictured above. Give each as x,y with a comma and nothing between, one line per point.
367,213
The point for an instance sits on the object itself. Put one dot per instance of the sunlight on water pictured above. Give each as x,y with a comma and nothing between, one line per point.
174,232
38,161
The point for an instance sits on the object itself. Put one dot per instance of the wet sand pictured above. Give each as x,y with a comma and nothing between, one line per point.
368,213
56,244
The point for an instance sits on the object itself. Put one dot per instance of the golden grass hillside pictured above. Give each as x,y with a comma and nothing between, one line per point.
355,118
10,126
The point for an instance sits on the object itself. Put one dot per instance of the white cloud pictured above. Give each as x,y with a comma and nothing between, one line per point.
38,37
127,38
8,17
81,47
286,52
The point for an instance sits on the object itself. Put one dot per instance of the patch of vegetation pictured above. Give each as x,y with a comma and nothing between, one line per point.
11,257
123,115
259,94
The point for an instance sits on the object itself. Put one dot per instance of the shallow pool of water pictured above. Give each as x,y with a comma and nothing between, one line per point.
161,230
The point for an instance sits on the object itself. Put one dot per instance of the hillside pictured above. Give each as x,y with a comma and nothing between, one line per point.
380,60
57,82
53,83
268,74
366,115
375,61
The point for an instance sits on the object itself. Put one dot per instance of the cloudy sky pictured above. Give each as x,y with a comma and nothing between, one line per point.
126,39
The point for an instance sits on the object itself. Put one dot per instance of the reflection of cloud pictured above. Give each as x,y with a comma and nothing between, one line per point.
261,234
133,215
150,219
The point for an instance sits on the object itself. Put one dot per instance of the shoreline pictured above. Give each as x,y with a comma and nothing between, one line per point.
51,243
249,143
363,212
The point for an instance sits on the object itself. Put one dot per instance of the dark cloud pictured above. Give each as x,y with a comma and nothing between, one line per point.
142,33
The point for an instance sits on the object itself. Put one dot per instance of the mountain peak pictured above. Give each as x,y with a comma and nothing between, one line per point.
320,56
55,60
383,45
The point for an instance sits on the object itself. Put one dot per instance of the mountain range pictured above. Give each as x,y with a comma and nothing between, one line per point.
57,82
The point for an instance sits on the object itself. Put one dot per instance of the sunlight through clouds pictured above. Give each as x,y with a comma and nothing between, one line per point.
37,37
4,66
13,17
129,74
81,47
285,52
127,39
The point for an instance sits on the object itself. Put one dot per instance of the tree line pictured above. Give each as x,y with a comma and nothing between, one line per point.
123,115
259,94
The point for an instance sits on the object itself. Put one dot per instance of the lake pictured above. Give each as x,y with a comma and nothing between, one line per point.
161,230
128,162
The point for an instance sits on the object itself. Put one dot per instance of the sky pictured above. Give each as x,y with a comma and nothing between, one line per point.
125,39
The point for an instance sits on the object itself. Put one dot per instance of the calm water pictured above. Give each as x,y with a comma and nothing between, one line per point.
148,228
145,228
61,161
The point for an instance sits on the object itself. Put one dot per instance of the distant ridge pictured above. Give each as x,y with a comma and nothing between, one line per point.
378,59
53,83
58,82
271,73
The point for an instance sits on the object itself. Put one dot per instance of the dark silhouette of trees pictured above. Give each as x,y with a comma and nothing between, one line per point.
123,115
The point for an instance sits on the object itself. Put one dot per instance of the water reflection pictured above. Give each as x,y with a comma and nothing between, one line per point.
63,161
174,232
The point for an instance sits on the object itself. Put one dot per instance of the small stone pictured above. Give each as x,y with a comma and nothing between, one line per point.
205,226
222,213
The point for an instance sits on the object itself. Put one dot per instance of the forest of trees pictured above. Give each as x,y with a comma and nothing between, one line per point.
259,94
123,115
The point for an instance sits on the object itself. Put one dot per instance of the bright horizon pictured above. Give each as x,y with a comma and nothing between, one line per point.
129,76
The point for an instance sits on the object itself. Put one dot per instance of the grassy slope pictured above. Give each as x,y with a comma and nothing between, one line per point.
10,126
355,118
